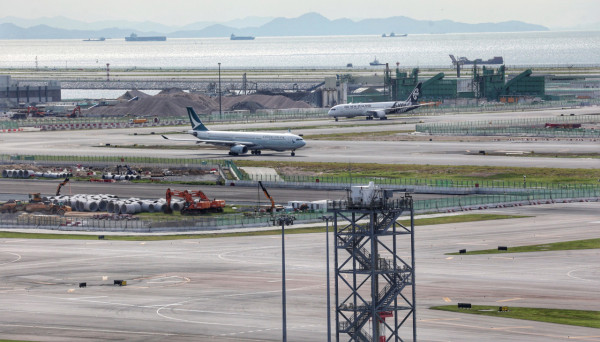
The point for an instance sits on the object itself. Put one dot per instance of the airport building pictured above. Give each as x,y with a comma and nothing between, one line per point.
484,83
14,93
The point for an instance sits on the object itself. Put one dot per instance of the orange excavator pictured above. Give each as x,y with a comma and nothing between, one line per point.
61,185
192,206
272,209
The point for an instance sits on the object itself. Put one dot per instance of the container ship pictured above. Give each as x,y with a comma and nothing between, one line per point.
234,37
135,38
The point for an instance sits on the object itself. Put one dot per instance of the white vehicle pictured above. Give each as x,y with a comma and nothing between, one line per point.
242,142
378,109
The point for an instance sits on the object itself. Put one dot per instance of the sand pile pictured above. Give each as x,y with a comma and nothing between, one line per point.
173,102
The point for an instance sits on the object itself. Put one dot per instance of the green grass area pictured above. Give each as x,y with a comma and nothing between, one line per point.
556,246
275,231
571,317
551,155
434,172
353,135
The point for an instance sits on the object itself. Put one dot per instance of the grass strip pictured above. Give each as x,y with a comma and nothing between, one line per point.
580,318
353,135
275,231
432,172
556,246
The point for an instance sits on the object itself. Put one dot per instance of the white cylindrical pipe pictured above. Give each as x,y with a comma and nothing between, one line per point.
102,205
5,173
91,206
117,207
176,206
146,206
80,204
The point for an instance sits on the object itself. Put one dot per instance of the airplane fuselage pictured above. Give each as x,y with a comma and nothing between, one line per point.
358,109
256,141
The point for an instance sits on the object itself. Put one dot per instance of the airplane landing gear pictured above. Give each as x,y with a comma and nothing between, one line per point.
257,152
336,118
293,153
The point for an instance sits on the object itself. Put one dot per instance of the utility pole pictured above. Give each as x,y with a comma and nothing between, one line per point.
327,218
220,109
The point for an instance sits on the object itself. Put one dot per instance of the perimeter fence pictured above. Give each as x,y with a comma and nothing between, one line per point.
562,127
112,160
450,204
345,182
4,125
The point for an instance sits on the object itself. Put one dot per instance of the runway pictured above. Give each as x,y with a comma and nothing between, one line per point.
230,288
434,152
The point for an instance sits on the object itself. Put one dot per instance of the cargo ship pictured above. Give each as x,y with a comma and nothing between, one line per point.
376,62
234,37
135,38
101,39
394,35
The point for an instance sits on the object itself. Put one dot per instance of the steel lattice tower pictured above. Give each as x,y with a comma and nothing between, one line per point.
374,284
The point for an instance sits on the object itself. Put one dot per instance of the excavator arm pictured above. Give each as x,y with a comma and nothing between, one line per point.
61,185
268,196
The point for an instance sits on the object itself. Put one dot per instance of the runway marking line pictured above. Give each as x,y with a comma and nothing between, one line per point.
508,300
472,243
9,262
513,327
439,319
447,300
44,327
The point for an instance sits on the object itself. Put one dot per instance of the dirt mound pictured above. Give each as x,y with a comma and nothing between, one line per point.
263,102
131,94
173,102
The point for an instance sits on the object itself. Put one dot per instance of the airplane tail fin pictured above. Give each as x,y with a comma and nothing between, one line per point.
197,125
413,98
453,59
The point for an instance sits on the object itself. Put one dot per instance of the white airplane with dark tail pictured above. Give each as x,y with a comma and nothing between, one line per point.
378,109
242,142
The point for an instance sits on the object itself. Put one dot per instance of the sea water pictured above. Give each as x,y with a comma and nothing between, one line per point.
424,50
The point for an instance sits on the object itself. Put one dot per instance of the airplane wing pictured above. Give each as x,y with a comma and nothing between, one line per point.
215,142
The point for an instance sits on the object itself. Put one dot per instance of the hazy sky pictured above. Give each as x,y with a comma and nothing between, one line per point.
550,13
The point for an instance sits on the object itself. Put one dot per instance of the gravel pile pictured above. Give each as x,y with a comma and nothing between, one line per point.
173,102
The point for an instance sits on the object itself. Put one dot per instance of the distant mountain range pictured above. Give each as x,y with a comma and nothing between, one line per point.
310,24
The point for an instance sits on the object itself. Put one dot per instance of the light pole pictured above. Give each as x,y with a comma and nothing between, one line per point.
220,110
327,218
283,220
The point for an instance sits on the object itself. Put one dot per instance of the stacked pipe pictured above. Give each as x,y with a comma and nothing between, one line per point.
31,173
113,204
120,177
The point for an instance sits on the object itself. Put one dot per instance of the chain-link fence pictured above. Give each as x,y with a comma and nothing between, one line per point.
558,126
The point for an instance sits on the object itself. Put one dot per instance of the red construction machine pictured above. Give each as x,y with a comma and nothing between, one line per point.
196,202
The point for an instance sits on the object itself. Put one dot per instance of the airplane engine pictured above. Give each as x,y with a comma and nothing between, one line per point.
238,149
380,114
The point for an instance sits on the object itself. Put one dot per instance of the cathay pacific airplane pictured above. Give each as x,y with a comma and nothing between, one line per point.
378,109
242,142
